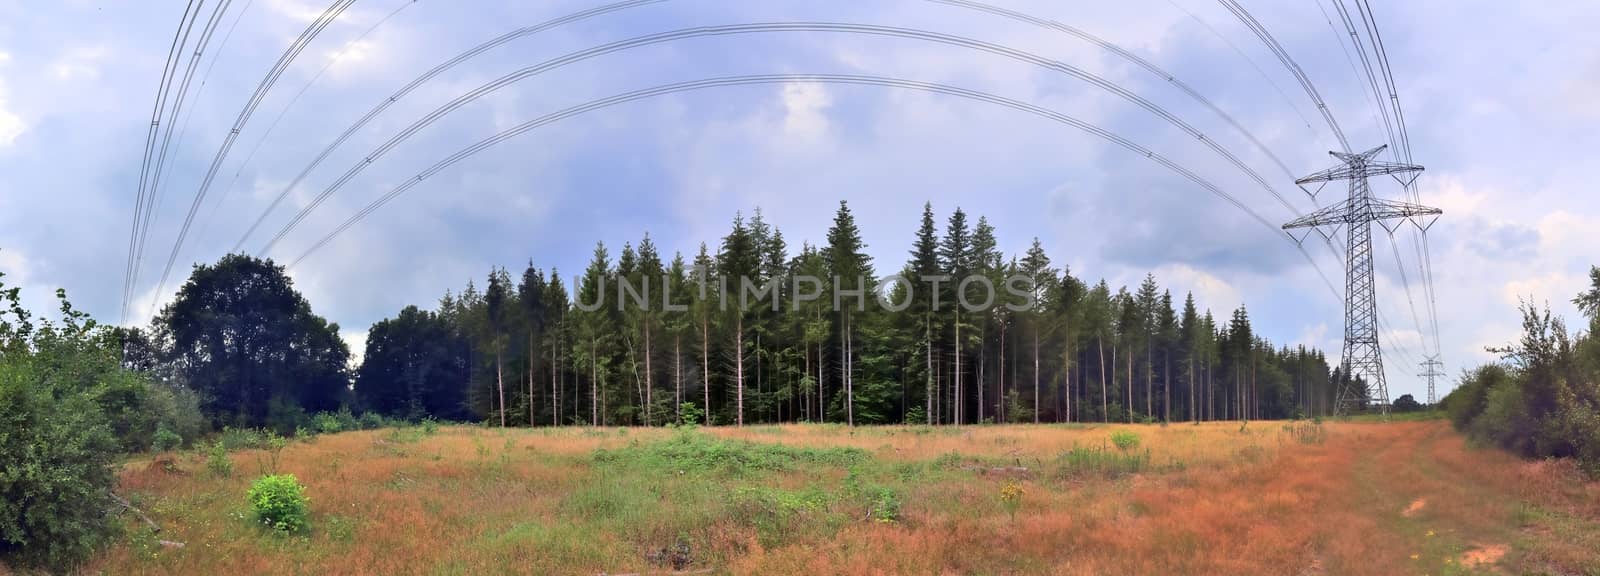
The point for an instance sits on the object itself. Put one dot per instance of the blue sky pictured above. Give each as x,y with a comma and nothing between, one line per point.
1500,102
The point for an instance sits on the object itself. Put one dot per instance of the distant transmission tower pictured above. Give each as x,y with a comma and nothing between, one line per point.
1362,356
1432,369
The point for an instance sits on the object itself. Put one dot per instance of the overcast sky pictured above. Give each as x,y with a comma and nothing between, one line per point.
1500,102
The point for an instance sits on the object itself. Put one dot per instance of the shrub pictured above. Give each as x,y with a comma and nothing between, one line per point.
242,438
371,421
1125,440
57,474
327,423
690,415
165,439
218,462
280,503
1078,462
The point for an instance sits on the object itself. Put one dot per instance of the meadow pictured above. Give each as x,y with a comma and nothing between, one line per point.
1212,498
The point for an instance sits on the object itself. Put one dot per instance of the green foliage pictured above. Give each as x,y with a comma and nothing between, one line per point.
694,452
1125,440
690,415
242,438
1542,401
430,426
217,460
165,439
1078,462
280,503
248,342
65,403
330,423
372,421
1406,403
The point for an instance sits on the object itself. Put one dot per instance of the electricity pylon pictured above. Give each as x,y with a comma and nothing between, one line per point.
1432,368
1362,356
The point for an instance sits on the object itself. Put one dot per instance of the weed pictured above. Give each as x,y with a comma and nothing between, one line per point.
218,462
1306,432
1078,462
340,529
1011,497
1125,440
693,452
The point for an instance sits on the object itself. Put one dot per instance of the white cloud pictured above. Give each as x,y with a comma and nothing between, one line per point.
5,57
805,111
80,63
357,341
11,125
15,267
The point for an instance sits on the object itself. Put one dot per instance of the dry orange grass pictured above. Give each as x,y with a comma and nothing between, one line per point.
1214,500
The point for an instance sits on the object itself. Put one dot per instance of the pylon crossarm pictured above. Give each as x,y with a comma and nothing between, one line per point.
1333,214
1387,209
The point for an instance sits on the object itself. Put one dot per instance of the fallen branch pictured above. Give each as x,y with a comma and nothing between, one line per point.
171,544
124,503
684,573
1022,470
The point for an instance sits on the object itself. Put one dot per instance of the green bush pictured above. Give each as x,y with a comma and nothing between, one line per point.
57,443
280,503
218,462
55,484
327,423
242,438
165,439
1125,440
1099,461
371,421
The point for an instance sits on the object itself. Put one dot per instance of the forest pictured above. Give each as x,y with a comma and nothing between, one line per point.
519,349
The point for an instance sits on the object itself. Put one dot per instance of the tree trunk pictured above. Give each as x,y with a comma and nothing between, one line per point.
1105,407
927,341
738,368
1036,375
649,386
594,384
500,382
705,363
677,377
956,402
1130,386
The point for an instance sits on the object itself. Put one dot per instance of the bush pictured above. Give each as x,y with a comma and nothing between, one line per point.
280,503
1125,440
57,442
218,462
327,423
371,421
165,439
55,484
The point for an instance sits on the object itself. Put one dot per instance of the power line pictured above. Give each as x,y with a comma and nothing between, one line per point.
226,191
153,210
158,110
260,93
1246,57
420,80
872,30
1288,62
782,79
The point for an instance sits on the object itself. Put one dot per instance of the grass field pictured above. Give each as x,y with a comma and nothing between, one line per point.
1218,498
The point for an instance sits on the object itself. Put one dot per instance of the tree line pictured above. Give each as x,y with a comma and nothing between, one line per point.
1542,399
523,350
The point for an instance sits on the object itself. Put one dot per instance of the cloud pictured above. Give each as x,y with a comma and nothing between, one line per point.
79,63
11,125
805,111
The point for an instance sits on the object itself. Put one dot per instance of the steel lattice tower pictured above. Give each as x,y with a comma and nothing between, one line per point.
1431,370
1362,356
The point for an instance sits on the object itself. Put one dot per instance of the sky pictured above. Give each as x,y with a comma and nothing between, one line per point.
1499,101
